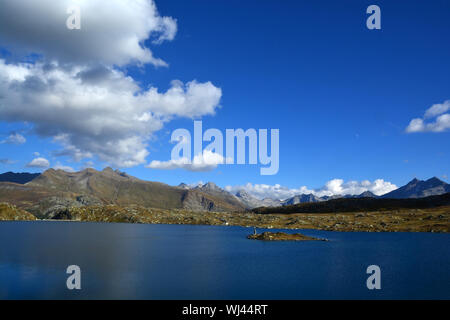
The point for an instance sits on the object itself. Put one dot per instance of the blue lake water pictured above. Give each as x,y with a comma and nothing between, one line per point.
129,261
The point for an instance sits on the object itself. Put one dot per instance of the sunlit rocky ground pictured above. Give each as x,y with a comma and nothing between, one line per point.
411,220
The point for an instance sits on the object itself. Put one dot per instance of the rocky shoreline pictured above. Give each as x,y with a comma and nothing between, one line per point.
407,220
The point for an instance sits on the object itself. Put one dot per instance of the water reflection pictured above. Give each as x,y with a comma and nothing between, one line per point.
121,261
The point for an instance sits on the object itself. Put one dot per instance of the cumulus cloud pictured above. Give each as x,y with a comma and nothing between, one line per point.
111,119
14,138
202,162
415,125
338,186
331,188
112,31
435,119
75,94
437,109
40,163
59,166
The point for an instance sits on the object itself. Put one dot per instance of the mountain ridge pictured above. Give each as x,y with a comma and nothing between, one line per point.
110,186
419,189
57,188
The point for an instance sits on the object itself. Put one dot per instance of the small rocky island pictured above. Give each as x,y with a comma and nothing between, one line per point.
281,236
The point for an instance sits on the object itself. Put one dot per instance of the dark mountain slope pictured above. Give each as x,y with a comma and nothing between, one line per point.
419,188
20,178
360,205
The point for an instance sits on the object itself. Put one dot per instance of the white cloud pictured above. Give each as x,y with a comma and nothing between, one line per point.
59,166
437,109
112,31
338,186
262,191
331,188
112,119
40,163
441,124
440,120
206,162
416,125
15,138
167,30
76,95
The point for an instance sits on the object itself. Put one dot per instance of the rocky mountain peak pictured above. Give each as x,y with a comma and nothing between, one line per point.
211,186
413,181
367,194
301,198
242,194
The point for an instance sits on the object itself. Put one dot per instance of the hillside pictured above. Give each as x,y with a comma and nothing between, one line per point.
55,189
215,191
241,198
9,212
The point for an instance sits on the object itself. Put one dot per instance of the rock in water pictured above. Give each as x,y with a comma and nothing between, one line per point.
281,236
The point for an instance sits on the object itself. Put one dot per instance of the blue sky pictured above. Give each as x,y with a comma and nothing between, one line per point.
341,95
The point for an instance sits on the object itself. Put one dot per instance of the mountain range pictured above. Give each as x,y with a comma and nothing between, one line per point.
414,189
42,194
